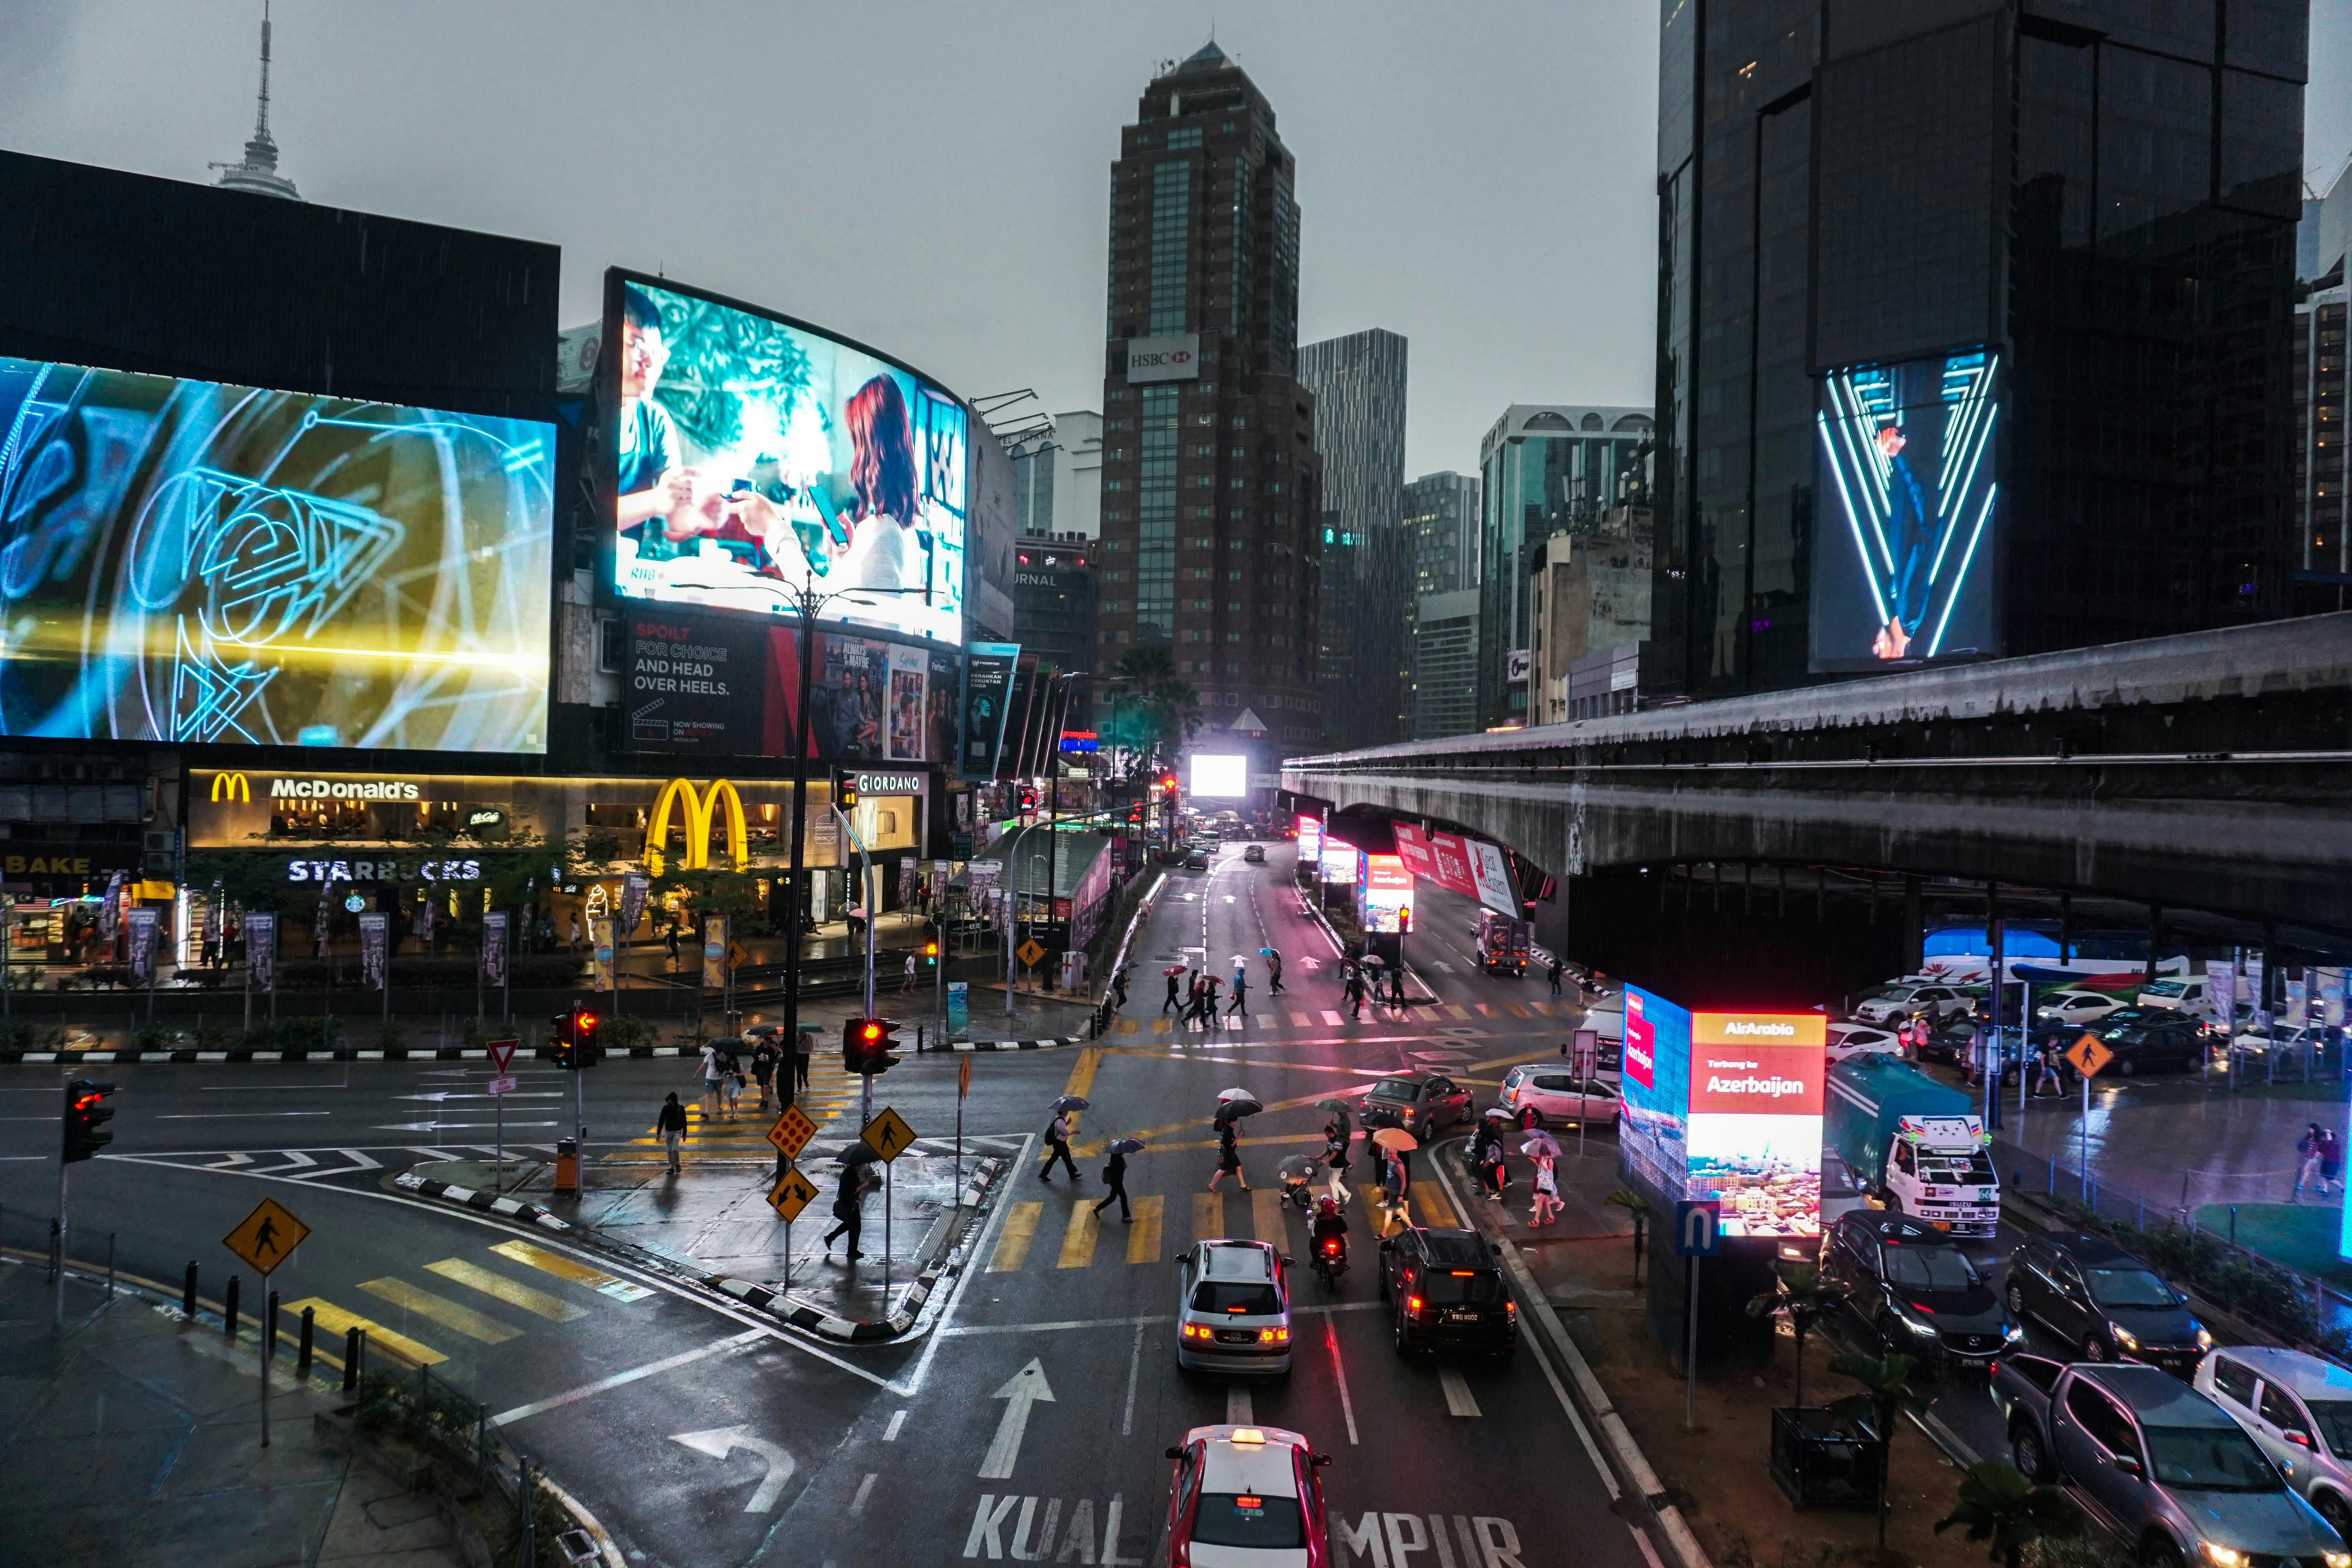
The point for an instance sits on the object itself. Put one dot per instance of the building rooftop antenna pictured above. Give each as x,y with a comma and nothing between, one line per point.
258,173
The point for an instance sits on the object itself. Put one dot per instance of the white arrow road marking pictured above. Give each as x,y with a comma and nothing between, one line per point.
721,1441
1024,1389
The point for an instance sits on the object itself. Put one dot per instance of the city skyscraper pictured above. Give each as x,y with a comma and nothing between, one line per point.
1440,515
2323,399
1057,477
1973,330
257,173
1210,490
1544,468
1358,382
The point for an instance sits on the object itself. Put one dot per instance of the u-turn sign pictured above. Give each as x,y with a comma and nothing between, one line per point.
1698,1228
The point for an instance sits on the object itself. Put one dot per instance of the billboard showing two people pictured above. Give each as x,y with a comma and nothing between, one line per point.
185,561
1908,481
754,455
1727,1105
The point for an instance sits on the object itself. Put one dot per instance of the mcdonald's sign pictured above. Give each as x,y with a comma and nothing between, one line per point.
700,807
232,787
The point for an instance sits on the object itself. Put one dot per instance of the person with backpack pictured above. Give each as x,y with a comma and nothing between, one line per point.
670,1122
1057,1147
849,1206
1114,1176
765,1058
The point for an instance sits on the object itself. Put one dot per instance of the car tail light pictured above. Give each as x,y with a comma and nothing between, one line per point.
1274,1336
1413,1305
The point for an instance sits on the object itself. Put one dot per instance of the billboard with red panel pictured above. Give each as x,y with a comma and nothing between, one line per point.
1754,1128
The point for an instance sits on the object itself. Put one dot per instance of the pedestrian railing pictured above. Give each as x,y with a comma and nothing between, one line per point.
456,1431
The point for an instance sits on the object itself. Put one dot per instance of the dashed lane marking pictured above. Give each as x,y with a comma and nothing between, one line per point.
1459,1399
514,1293
440,1310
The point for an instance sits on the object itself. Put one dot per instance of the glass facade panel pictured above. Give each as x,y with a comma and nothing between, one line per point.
1171,223
1155,556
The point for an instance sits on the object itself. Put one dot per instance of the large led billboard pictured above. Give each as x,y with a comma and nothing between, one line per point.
187,561
1909,482
753,455
1385,893
1727,1106
1218,778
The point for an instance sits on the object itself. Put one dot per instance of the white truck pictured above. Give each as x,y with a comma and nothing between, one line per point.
1913,1143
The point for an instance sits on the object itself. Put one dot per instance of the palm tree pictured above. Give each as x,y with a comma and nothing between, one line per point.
1163,710
1887,1391
1637,1205
1998,1503
1800,1295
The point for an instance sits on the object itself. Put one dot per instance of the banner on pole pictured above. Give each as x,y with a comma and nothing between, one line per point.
375,942
959,1005
633,902
106,911
143,944
424,917
599,937
494,947
261,952
714,953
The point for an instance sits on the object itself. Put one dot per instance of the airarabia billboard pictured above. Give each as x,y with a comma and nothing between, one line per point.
1727,1105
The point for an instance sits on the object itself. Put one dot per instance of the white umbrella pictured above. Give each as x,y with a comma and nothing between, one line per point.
1237,1094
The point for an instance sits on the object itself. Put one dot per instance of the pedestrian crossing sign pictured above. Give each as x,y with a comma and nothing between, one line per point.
268,1236
887,1134
791,1195
2088,1055
792,1133
1030,952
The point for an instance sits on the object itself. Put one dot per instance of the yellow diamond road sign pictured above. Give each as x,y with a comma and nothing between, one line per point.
792,1133
2089,1056
791,1195
267,1237
887,1134
1031,952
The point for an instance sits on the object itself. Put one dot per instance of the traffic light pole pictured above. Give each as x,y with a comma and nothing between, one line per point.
865,896
58,1307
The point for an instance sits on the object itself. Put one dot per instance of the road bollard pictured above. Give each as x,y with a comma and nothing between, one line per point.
270,1329
354,1342
229,1308
302,1352
188,1294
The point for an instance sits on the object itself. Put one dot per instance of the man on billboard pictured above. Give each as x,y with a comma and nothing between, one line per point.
1915,539
654,484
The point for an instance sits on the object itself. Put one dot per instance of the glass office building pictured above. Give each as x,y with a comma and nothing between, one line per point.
1974,329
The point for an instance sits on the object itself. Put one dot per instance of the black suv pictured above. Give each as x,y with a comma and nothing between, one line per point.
2093,1294
1915,1289
1448,1288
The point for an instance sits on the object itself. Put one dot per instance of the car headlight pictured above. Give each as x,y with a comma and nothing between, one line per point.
2224,1556
1927,1330
2205,1343
2123,1336
2337,1559
2012,1333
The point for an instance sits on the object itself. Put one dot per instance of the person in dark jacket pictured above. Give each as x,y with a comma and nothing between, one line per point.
1115,1174
848,1206
764,1058
671,1124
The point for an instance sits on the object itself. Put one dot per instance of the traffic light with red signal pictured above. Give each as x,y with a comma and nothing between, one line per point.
86,1114
575,1038
866,1045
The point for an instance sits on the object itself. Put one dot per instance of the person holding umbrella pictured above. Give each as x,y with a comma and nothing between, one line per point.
1396,1185
1232,1106
857,1178
1273,972
1115,1174
1172,975
1337,1134
1057,1138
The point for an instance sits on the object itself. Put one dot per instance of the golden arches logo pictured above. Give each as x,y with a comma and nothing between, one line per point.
700,807
232,787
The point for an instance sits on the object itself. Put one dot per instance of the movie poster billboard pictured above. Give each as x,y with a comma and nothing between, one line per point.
722,685
142,943
494,947
261,952
988,671
1908,472
376,938
193,561
754,455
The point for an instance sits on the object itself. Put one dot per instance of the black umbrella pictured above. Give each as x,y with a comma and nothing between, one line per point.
1124,1146
1072,1102
1234,1110
861,1153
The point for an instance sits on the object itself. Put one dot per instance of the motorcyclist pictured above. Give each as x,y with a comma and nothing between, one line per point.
1330,1225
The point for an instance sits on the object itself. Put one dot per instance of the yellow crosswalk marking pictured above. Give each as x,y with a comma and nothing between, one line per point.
1143,1236
1129,1027
1457,1012
447,1313
514,1293
1078,1241
1159,1025
1082,1078
1265,1215
563,1268
1012,1242
1517,1010
338,1322
1429,1199
1208,1216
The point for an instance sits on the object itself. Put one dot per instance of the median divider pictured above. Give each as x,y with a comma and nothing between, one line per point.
467,1197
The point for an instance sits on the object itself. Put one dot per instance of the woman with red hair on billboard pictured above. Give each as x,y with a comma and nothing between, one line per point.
883,513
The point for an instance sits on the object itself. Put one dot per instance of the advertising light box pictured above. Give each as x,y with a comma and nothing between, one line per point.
1385,893
1339,862
1727,1105
755,453
188,561
1310,840
1218,778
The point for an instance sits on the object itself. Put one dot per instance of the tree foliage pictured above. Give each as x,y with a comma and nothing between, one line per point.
1153,709
2000,1504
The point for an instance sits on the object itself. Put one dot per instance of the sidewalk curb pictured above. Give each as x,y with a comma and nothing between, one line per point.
783,1308
467,1197
1625,1455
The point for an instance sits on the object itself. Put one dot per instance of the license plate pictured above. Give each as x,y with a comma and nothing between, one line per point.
1462,1315
1240,1337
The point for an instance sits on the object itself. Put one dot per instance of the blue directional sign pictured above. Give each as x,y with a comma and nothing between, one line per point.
1698,1228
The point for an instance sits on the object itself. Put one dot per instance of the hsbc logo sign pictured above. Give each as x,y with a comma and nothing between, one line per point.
1164,359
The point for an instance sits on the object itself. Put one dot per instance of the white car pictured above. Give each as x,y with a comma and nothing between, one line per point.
1232,1309
1862,1039
2299,1409
1892,1004
1550,1097
2286,1039
2069,1008
2189,994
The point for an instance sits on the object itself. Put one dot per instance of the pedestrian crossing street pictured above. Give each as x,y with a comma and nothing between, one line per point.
1329,1017
471,1299
832,1089
1154,1236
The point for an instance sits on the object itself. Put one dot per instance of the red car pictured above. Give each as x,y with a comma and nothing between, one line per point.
1246,1497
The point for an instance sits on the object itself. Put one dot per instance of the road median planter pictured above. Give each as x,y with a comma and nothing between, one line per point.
1819,1464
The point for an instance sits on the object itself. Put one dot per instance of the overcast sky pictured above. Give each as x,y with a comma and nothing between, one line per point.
932,177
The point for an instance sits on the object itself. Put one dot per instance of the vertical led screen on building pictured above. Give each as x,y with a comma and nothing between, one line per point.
184,561
1754,1130
1908,493
1656,1082
1310,839
1385,893
753,453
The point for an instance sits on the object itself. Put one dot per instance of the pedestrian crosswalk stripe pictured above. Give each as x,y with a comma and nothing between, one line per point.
335,1320
1208,1216
1513,1008
514,1293
563,1268
1486,1010
1159,1025
1143,1238
1129,1027
1301,1021
447,1313
1078,1241
1430,1199
1331,1017
1457,1012
1012,1242
1265,1215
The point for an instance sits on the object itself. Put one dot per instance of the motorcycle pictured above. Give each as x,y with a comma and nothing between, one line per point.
1330,1260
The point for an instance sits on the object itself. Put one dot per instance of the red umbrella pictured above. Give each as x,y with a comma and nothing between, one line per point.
1180,969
